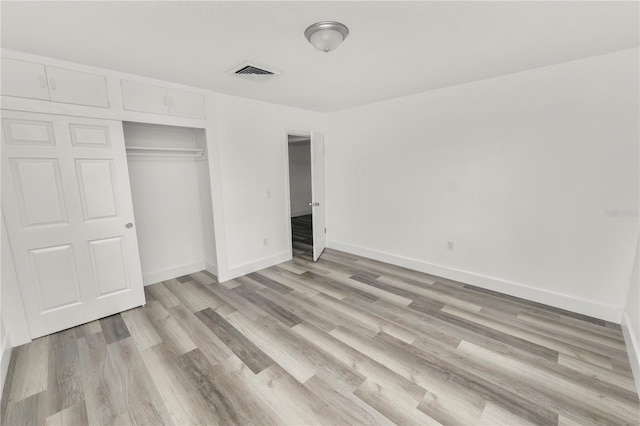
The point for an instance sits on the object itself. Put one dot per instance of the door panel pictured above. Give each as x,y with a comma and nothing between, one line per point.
24,79
28,132
97,188
76,87
55,277
38,188
66,207
317,187
90,136
109,265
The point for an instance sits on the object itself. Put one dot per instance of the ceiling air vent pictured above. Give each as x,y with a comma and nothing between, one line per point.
253,72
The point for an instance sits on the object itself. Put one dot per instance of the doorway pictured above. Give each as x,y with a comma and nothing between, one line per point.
305,161
300,195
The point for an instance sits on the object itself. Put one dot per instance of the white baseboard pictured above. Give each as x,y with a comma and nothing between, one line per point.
558,300
167,274
301,213
5,352
247,268
632,347
211,268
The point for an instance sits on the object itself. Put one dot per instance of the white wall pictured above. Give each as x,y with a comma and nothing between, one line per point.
14,318
171,201
252,144
13,321
5,355
517,170
300,178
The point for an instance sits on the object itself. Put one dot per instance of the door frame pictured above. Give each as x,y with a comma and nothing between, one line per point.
287,201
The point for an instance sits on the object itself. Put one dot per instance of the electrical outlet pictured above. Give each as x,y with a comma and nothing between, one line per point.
450,245
265,242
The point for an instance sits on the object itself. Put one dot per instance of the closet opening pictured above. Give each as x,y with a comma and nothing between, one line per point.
300,194
170,188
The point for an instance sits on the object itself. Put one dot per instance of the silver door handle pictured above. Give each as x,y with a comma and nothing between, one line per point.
314,204
53,84
43,81
129,225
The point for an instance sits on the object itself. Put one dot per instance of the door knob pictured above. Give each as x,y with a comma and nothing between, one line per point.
129,225
314,204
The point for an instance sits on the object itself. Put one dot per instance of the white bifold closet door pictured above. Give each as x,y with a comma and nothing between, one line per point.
67,205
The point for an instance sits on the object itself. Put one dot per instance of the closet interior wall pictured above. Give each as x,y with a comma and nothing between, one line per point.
171,194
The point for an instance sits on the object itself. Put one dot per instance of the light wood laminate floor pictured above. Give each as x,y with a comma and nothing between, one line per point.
345,340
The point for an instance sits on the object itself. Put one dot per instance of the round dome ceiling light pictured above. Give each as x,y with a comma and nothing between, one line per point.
326,35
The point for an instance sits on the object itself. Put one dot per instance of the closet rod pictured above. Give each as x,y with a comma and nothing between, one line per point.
146,151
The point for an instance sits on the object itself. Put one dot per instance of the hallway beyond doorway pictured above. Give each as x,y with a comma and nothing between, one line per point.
302,235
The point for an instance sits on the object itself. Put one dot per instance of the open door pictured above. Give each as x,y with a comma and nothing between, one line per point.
317,190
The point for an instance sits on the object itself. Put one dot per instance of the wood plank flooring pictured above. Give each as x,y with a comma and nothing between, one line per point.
346,340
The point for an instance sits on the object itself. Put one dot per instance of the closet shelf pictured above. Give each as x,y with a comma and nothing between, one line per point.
146,151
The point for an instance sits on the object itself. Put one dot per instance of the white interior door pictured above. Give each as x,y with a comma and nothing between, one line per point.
67,204
317,191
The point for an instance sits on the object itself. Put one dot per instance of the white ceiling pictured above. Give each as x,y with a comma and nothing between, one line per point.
394,49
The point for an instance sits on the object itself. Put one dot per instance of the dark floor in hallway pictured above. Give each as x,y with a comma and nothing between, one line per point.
302,235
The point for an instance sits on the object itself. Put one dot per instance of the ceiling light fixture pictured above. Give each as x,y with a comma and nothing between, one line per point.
326,35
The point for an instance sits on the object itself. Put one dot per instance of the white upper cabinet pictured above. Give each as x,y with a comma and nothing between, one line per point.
24,79
186,104
153,99
36,81
74,87
145,97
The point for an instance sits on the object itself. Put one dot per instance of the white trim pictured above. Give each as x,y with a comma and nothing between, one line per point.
4,364
213,137
167,274
632,347
265,262
558,300
211,268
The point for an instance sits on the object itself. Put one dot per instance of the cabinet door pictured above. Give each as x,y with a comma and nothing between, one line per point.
145,97
24,79
67,204
186,104
75,87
